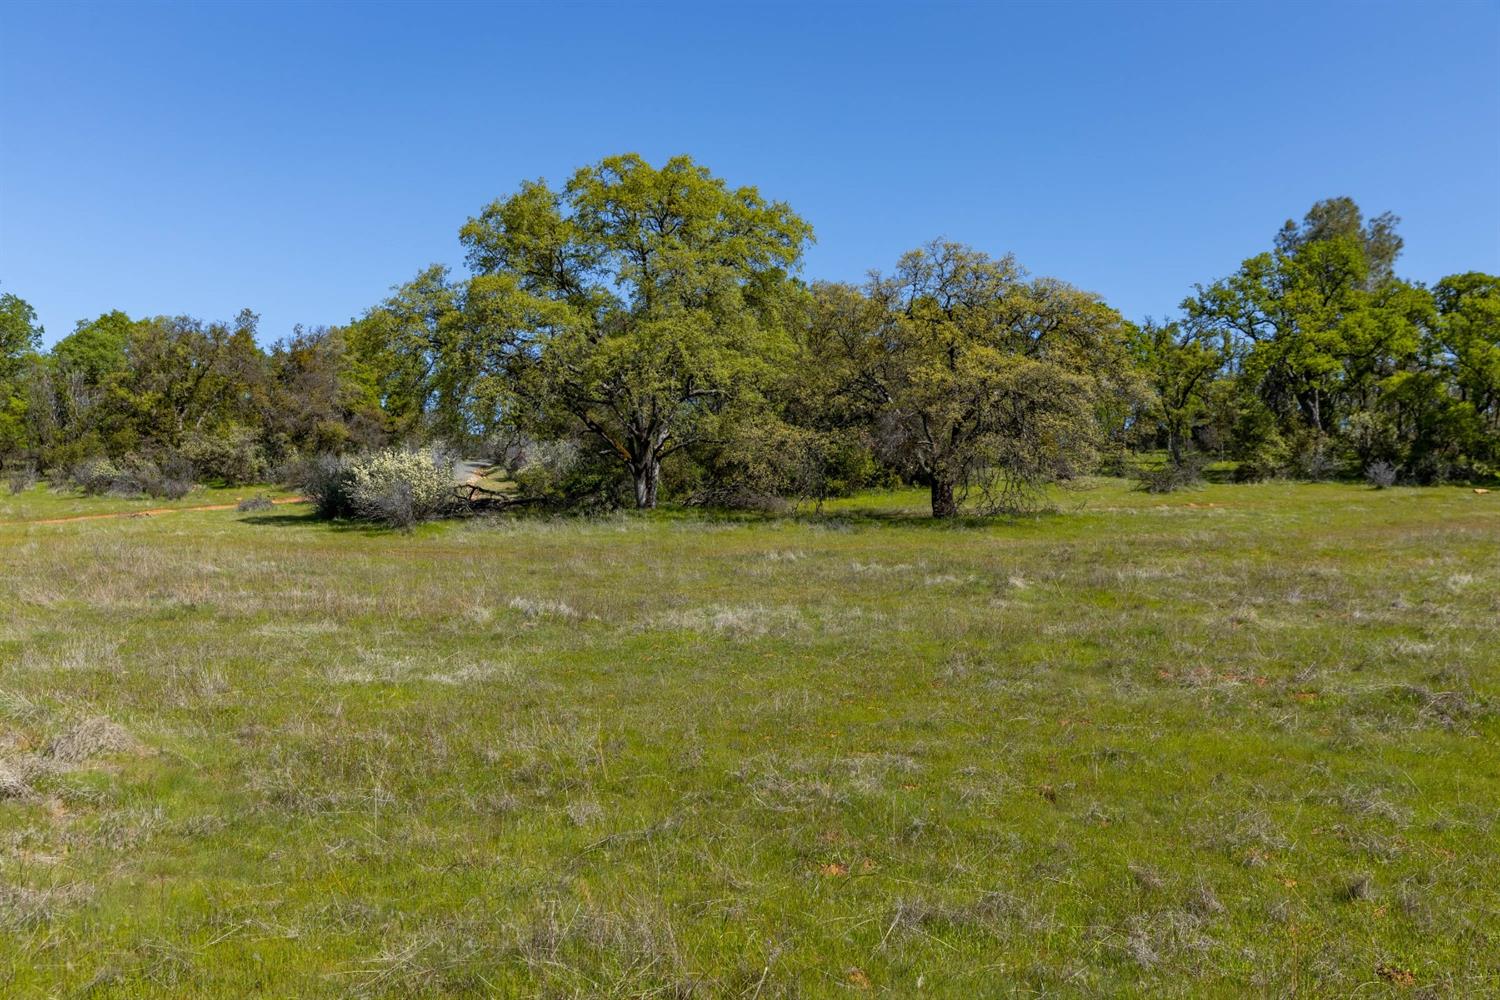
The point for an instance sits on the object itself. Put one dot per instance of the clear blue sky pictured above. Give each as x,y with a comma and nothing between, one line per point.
300,159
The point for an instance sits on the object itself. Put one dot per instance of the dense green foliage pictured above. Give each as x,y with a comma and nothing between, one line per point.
970,375
19,336
1330,361
645,332
208,394
637,308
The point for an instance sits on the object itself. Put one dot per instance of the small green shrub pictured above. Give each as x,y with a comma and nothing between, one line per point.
230,455
1171,476
565,476
1315,458
771,465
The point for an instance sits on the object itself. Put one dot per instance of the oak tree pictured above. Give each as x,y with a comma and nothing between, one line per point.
633,306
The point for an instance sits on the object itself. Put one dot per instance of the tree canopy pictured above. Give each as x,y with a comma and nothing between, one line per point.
643,332
973,375
20,335
635,306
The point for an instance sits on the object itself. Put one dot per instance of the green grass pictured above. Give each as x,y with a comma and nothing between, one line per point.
40,503
1239,740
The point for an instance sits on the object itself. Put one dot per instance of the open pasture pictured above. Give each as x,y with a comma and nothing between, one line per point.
1241,739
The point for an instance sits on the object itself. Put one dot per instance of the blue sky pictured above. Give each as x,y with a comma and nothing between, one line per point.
300,159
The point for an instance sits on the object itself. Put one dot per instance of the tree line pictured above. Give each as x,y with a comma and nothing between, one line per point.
644,332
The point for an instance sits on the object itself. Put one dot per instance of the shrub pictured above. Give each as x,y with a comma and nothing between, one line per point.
400,488
1374,436
1314,458
131,477
563,475
91,475
325,481
20,477
769,465
170,478
172,489
253,504
1261,451
176,477
232,455
394,504
1380,475
1252,472
1171,476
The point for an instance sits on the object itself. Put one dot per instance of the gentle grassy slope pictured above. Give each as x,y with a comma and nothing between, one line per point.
1237,740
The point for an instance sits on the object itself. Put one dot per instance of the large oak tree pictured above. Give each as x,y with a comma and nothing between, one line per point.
972,374
633,307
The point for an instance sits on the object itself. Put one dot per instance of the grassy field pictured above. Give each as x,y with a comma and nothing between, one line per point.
41,504
1240,740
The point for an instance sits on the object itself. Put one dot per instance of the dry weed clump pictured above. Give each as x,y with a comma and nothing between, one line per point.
92,738
251,505
13,783
750,621
1357,888
24,908
542,608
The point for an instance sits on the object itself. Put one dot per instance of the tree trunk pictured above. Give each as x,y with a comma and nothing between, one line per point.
646,475
943,503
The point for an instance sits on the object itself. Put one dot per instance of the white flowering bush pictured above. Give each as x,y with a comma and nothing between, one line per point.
401,487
